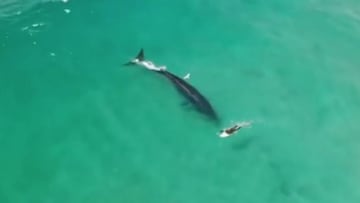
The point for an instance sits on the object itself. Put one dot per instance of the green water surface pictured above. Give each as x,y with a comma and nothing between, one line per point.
77,126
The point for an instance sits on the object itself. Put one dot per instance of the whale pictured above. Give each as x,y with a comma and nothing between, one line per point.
192,95
189,92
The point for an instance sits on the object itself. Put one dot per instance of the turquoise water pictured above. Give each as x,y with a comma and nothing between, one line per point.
77,126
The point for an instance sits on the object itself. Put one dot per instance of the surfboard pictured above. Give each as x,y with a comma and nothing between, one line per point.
224,134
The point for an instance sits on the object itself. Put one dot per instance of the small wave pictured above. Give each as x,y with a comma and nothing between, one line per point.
10,8
33,28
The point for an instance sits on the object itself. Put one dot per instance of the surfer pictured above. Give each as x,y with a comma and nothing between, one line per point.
232,130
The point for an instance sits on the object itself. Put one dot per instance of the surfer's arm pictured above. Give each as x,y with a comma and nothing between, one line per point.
237,127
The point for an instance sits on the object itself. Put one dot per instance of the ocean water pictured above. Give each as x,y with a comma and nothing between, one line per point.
77,126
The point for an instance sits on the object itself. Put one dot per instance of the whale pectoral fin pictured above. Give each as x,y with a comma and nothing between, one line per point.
187,76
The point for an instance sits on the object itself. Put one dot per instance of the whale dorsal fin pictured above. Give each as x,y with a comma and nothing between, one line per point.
141,56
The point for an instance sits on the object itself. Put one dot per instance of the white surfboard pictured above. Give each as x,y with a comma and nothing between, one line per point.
224,134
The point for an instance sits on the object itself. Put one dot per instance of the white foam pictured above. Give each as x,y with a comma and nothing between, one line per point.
35,25
10,8
245,124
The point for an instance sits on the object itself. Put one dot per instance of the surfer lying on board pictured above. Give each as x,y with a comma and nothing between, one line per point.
232,130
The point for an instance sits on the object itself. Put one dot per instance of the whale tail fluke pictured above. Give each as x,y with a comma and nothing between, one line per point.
140,55
138,58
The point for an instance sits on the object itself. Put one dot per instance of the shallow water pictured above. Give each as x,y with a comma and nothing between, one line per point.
77,126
